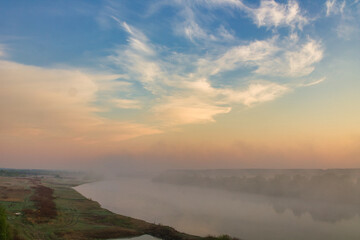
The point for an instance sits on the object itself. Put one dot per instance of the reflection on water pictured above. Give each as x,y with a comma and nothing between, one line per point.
319,211
209,211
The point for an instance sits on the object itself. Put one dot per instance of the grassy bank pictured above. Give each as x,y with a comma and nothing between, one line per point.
47,207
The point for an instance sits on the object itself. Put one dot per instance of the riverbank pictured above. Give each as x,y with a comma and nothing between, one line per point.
47,207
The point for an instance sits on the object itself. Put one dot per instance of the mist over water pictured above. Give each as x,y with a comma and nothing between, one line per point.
202,211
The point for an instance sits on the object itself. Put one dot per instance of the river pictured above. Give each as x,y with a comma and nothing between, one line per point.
202,211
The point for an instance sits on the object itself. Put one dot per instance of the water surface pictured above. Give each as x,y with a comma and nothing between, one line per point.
143,237
202,211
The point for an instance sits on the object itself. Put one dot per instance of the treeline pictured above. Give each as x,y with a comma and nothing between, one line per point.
332,186
5,172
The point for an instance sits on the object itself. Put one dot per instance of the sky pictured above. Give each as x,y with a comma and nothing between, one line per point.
133,84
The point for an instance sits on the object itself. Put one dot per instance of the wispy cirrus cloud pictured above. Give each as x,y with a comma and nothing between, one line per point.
179,87
237,56
256,93
347,14
274,14
190,26
313,82
334,7
274,57
296,61
268,14
182,92
138,58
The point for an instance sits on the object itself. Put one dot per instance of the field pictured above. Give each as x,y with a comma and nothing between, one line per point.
47,207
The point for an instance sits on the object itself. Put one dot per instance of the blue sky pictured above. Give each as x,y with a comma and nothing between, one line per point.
41,32
113,71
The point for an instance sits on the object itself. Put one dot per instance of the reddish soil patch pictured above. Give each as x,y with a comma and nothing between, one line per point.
45,205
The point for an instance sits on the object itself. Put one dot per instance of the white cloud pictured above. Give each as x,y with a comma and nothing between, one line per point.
184,110
189,26
225,33
193,24
127,103
313,82
269,14
138,41
238,56
256,93
293,63
190,98
301,62
193,31
199,102
137,59
189,21
347,14
182,90
272,57
329,6
334,7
